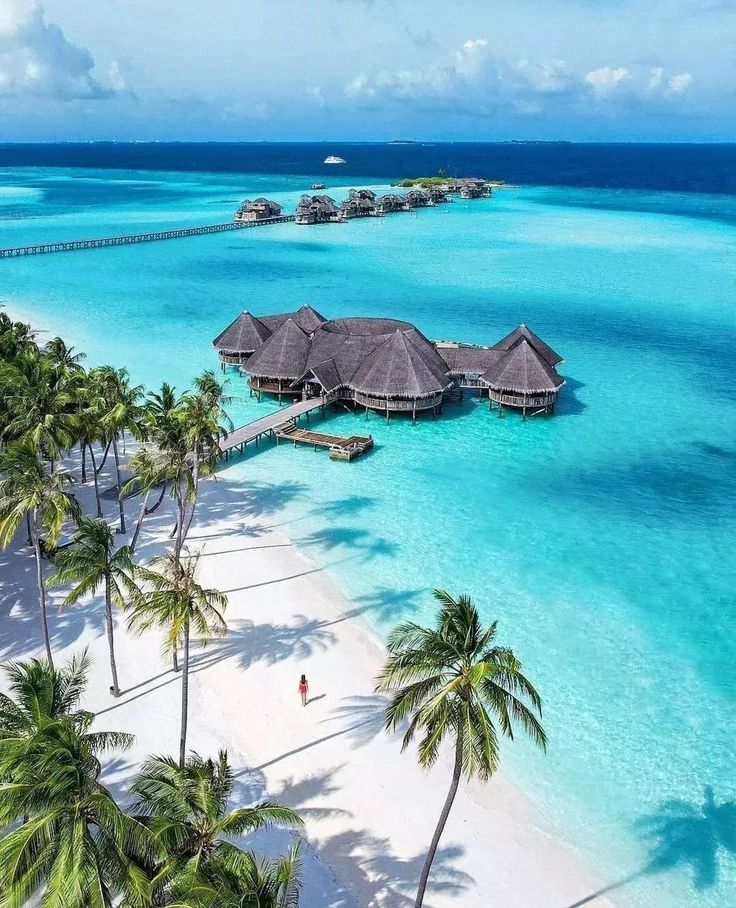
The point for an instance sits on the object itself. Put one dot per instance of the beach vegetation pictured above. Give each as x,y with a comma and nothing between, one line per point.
173,599
65,840
91,563
28,490
452,685
64,836
187,809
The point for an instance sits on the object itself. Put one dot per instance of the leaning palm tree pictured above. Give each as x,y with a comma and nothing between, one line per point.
148,472
175,601
453,684
93,562
67,843
27,489
187,810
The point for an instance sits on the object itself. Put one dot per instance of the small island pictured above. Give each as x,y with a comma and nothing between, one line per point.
448,184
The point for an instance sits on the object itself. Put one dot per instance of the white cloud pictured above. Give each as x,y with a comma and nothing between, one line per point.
36,58
606,79
546,78
316,95
656,75
679,84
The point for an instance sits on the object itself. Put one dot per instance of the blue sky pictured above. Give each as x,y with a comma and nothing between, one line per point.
368,69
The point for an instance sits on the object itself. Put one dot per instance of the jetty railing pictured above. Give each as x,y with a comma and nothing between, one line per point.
100,242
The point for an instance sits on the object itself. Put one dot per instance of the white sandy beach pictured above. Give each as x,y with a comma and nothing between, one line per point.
369,809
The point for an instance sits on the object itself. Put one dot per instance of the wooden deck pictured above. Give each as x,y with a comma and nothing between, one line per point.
341,448
45,248
267,425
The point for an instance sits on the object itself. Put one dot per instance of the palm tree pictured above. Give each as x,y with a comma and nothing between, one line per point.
250,882
41,402
91,563
39,693
175,601
122,412
187,810
27,489
453,683
148,472
66,839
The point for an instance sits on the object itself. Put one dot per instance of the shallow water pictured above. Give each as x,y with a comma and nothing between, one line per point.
601,538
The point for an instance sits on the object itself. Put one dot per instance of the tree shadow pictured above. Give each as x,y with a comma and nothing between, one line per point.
698,836
383,878
358,718
359,540
388,603
683,834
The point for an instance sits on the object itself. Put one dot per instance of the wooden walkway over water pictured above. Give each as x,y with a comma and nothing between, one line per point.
101,242
267,425
340,447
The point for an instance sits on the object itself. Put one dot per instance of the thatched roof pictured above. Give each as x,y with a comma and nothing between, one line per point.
524,370
469,359
244,335
283,355
326,374
306,317
398,369
522,332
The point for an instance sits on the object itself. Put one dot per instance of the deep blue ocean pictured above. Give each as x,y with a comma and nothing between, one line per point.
602,538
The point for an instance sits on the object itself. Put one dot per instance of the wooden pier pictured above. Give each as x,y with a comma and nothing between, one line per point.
101,242
266,426
340,447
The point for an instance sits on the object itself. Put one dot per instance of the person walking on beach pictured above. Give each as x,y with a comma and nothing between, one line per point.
303,689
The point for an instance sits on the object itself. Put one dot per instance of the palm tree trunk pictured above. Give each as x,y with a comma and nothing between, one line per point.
104,458
117,475
83,452
139,523
29,536
180,527
41,588
184,699
158,500
111,640
456,772
196,496
94,476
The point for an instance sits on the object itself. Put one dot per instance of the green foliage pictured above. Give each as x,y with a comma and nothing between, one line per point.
453,682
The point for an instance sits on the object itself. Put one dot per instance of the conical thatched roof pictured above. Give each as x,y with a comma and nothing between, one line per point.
283,355
522,332
308,319
326,373
398,369
244,335
522,369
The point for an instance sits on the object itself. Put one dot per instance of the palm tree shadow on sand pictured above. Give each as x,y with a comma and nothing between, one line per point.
684,834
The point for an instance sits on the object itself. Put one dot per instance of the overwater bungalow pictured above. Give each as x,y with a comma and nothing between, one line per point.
522,378
438,196
387,365
390,202
259,210
360,203
240,339
418,198
316,209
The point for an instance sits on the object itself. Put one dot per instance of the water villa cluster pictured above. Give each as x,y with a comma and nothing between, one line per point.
385,364
363,203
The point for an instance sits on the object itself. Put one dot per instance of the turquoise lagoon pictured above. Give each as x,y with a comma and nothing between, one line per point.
602,538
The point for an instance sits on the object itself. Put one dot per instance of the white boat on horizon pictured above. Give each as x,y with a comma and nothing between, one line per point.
333,159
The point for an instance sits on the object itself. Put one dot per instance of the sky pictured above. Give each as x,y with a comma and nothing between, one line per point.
368,70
